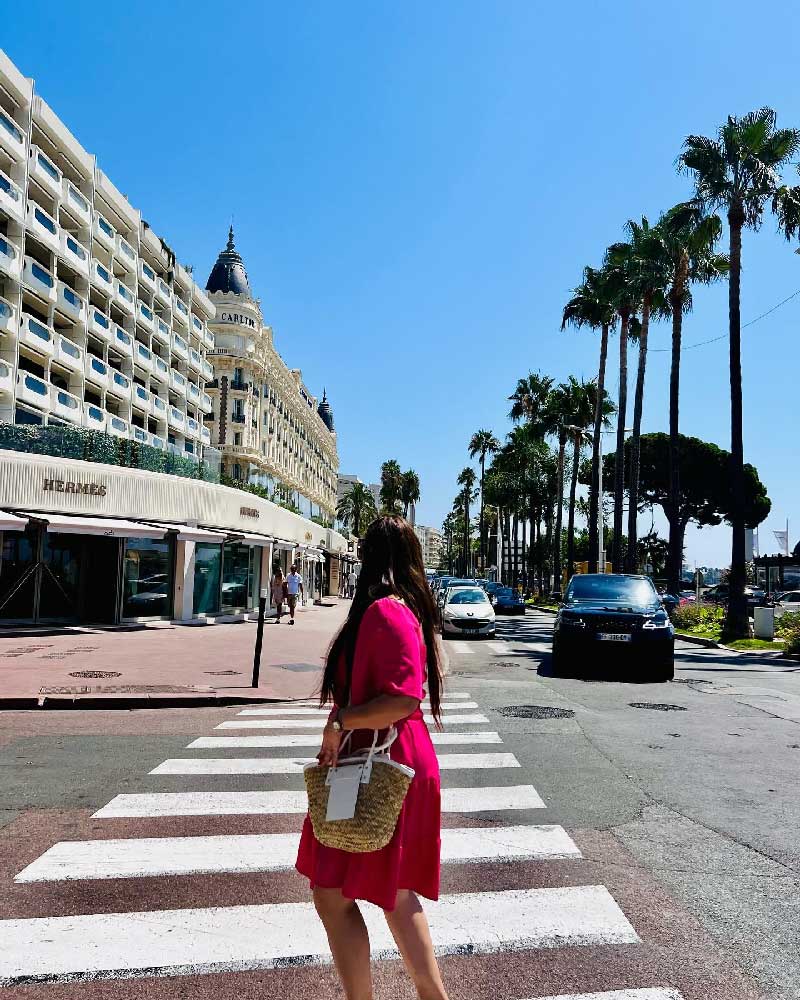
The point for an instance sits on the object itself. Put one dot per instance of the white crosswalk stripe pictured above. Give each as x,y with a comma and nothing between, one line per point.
295,765
312,740
471,719
73,860
323,713
152,804
236,938
314,703
646,994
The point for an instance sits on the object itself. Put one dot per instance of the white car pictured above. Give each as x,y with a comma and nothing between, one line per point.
467,611
789,600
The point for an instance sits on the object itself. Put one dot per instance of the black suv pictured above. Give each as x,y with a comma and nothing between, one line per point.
614,614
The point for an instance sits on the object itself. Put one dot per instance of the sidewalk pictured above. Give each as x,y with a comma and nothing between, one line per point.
168,665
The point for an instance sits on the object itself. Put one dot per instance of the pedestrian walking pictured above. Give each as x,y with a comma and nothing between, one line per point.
375,675
352,580
278,588
294,589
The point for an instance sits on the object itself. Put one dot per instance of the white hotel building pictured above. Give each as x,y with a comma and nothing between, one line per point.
101,329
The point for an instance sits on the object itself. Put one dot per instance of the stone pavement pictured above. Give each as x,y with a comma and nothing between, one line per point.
164,664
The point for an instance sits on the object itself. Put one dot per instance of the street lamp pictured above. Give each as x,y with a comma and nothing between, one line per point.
601,547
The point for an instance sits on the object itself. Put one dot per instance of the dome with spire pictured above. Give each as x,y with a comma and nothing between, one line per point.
229,275
325,411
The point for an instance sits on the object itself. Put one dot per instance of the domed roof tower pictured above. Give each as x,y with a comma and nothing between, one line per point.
325,411
228,275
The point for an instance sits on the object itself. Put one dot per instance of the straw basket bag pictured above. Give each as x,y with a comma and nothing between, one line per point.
382,787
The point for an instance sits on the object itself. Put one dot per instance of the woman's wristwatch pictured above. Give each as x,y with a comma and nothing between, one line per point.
337,721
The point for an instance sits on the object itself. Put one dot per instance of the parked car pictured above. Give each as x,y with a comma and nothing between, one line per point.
613,613
719,595
789,600
508,602
467,611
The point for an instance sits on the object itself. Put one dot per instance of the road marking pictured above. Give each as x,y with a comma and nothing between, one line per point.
646,994
227,939
463,646
155,804
323,713
312,740
314,703
498,647
289,765
250,723
75,860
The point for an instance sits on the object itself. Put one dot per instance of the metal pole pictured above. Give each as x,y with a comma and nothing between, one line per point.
262,607
601,550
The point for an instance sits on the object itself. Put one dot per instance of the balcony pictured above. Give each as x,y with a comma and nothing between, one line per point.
177,382
161,333
37,278
237,418
76,204
144,316
180,312
70,303
120,385
192,428
206,369
104,233
205,435
11,201
237,385
43,227
123,342
182,277
117,426
160,369
67,354
157,442
143,357
163,292
208,340
180,348
97,371
124,298
10,259
36,335
74,253
139,435
32,389
8,317
193,393
205,405
42,169
100,277
158,407
6,379
100,325
12,138
93,417
63,404
126,255
147,276
198,327
195,361
176,420
140,398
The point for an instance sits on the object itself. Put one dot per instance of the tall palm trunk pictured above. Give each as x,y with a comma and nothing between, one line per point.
562,444
638,403
482,523
622,409
675,550
737,624
507,563
594,489
573,489
524,550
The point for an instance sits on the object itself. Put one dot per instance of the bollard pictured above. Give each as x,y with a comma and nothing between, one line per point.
262,607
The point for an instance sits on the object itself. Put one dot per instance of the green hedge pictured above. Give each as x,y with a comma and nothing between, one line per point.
95,446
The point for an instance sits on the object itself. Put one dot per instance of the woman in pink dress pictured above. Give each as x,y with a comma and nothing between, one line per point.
376,672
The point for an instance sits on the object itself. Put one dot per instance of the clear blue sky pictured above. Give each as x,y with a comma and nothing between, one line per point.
416,187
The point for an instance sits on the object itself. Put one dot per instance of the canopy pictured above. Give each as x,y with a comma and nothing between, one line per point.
191,533
111,527
10,522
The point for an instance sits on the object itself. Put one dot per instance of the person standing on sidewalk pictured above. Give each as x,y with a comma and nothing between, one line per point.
376,672
278,587
294,587
352,580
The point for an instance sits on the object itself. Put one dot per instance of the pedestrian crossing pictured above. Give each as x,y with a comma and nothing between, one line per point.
492,825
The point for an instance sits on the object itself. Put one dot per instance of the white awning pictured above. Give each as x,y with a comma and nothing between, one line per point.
251,539
285,546
111,527
11,522
191,533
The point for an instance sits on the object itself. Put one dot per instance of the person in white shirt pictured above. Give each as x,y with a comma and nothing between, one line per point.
352,579
294,586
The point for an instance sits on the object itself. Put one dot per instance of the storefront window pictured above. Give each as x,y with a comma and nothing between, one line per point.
18,575
61,576
207,575
239,576
147,578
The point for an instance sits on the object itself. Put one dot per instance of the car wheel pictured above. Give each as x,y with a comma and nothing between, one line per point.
664,671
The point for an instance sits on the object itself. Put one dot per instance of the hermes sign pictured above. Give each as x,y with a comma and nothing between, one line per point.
248,512
69,486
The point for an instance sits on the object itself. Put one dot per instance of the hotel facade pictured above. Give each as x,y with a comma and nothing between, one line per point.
111,507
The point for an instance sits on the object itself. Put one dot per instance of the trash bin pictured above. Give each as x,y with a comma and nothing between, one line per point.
764,623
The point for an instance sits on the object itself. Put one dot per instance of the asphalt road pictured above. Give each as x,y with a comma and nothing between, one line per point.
591,847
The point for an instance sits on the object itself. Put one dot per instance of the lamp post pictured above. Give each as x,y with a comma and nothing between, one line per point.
601,547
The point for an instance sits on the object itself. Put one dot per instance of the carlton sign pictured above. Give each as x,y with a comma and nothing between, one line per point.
238,318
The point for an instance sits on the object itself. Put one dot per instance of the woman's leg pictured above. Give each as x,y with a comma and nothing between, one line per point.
349,941
279,611
411,933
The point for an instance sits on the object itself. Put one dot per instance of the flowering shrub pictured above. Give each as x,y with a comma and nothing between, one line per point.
787,627
699,619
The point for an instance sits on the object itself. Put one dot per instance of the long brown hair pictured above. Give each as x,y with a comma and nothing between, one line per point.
391,565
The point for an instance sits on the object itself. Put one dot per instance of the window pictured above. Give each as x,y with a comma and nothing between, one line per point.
48,168
146,578
207,577
10,127
123,291
38,329
95,413
103,274
147,313
69,348
181,306
123,337
41,275
99,366
77,197
126,249
239,576
65,399
101,320
143,352
76,248
148,272
105,227
35,385
121,380
71,297
45,220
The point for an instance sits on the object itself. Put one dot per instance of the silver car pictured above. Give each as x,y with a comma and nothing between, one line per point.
466,612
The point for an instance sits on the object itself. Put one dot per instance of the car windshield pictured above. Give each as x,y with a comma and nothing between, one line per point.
505,592
611,590
468,596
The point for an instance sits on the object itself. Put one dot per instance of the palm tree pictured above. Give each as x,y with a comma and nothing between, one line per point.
357,507
529,399
409,490
591,306
483,443
683,247
391,486
466,479
562,403
738,172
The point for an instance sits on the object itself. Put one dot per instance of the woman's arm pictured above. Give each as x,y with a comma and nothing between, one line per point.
379,713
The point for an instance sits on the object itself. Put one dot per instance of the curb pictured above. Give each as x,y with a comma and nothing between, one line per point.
89,703
697,640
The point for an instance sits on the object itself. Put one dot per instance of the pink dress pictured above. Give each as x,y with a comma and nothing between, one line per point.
389,659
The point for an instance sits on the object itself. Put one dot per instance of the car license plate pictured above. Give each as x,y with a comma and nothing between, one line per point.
614,636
